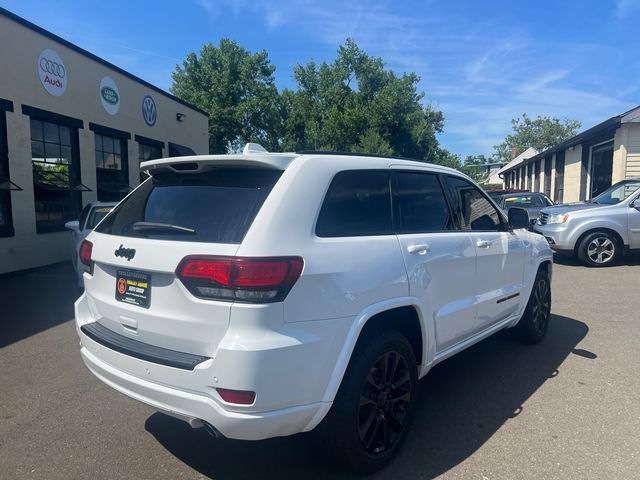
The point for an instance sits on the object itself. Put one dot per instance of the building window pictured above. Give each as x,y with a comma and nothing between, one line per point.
601,168
547,175
148,149
558,193
149,152
536,176
6,223
112,171
56,174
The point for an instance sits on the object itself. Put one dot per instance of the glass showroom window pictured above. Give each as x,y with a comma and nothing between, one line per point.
112,168
6,224
56,171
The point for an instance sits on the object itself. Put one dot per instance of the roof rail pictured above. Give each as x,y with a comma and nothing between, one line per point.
357,154
253,148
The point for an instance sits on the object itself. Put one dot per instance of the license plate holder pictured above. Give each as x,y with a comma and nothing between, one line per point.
133,287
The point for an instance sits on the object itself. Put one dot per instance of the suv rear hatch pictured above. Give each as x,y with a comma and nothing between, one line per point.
134,289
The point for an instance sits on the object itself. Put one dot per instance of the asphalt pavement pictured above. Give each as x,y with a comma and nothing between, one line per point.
568,408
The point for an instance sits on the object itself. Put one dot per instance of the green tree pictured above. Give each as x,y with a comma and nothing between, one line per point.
238,91
540,133
356,104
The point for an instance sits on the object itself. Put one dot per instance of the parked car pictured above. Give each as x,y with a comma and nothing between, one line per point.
497,194
532,202
89,217
262,295
599,231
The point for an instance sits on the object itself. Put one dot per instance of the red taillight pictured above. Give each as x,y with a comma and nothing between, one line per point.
241,397
85,252
240,278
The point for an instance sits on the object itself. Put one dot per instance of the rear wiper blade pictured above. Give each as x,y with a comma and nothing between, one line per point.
145,226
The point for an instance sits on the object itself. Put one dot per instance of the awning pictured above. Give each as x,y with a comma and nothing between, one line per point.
176,150
114,187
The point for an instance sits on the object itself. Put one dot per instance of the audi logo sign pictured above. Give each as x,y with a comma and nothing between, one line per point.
149,112
52,72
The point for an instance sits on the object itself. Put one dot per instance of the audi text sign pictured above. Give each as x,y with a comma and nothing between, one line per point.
52,72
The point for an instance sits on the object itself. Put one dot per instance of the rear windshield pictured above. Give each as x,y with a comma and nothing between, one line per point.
217,206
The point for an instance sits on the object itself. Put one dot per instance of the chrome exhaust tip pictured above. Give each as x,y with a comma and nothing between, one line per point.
211,430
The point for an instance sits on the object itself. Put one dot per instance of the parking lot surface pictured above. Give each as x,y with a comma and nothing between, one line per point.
568,408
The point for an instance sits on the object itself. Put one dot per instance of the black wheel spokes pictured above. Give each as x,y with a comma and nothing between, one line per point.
541,306
382,411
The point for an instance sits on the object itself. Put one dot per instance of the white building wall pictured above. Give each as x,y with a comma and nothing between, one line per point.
21,85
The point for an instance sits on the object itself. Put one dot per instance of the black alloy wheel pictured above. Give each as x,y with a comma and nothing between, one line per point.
384,402
534,323
372,412
541,307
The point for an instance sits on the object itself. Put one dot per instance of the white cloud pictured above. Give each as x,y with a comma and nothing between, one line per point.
625,7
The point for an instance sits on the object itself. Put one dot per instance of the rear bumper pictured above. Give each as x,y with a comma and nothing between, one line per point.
274,362
195,408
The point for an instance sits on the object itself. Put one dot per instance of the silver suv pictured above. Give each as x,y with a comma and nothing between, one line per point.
598,231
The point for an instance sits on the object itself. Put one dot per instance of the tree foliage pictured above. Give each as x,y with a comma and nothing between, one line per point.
351,104
540,133
355,104
237,89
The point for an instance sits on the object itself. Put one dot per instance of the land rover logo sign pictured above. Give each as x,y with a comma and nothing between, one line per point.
52,72
149,112
109,95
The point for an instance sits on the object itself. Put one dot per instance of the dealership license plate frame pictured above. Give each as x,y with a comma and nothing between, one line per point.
133,287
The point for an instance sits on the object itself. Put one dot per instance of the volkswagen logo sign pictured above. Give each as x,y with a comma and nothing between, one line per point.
52,72
149,112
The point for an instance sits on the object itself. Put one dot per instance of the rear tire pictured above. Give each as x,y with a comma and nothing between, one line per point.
534,322
374,406
599,249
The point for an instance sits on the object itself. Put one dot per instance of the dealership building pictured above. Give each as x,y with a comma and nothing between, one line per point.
73,129
583,166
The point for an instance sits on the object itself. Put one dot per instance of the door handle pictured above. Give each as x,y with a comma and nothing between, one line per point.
484,243
420,249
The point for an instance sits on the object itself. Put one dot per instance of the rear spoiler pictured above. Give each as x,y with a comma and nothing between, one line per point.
253,155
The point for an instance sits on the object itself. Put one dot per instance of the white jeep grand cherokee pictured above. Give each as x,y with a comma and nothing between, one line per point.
263,294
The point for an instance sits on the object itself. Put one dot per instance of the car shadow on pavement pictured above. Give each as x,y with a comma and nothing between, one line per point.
630,259
463,402
35,300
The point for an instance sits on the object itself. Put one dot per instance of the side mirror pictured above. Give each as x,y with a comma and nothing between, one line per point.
518,218
73,225
635,203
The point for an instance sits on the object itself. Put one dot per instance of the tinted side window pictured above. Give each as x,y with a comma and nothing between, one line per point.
422,206
83,215
474,210
357,203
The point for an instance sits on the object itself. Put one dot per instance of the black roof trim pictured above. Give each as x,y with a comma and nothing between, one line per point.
6,105
611,124
52,117
356,154
148,141
108,131
32,26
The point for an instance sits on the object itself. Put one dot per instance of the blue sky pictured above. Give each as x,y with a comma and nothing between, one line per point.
481,63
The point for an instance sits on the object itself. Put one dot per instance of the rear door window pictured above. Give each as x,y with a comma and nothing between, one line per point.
217,206
421,204
357,203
